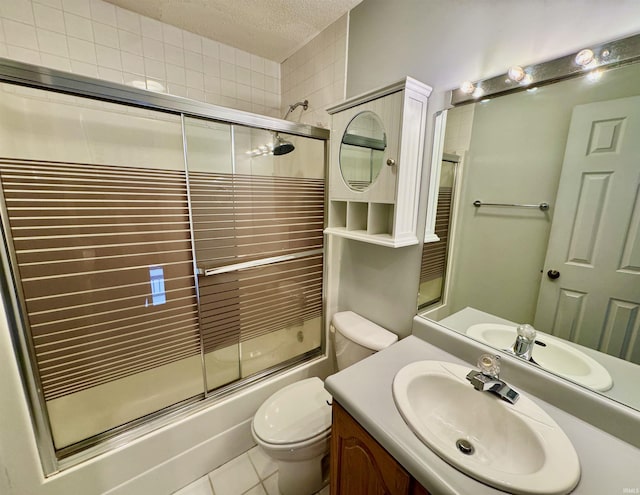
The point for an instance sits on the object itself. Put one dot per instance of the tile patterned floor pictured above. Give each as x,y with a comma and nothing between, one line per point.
252,473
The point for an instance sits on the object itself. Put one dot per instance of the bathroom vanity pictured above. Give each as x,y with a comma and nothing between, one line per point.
359,464
372,444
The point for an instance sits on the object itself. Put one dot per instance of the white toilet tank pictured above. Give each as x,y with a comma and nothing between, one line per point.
356,338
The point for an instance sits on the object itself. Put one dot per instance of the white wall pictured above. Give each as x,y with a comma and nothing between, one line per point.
443,44
97,39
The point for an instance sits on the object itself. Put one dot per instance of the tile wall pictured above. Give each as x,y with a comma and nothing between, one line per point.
317,72
98,39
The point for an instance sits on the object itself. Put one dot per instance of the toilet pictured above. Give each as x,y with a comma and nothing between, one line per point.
293,426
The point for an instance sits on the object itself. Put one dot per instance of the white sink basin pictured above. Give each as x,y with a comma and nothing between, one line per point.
518,448
550,353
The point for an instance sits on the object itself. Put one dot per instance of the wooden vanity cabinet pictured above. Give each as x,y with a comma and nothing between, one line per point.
361,466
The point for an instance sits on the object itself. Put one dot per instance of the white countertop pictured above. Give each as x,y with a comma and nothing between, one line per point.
609,465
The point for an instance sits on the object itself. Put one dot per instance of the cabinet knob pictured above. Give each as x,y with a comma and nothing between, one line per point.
391,162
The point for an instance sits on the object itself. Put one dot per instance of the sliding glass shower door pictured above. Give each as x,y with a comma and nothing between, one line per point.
156,258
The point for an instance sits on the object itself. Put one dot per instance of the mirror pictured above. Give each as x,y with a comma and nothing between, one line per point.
362,150
572,270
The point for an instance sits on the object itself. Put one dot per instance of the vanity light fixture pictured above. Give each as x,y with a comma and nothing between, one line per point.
585,57
518,78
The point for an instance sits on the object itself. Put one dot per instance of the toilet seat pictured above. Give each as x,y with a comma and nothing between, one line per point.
295,416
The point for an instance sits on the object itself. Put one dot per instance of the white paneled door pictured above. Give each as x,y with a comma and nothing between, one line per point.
590,290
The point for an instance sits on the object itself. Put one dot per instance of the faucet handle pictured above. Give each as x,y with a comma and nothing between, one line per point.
489,365
527,332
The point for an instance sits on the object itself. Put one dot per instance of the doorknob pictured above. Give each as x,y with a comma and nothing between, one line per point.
553,274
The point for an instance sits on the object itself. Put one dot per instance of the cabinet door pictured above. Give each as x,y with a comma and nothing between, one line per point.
359,465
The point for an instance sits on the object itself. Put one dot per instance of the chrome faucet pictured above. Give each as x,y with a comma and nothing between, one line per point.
488,379
525,341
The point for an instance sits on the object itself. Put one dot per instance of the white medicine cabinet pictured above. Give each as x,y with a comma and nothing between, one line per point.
376,158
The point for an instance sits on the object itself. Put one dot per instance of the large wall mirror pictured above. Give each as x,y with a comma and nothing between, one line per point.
572,269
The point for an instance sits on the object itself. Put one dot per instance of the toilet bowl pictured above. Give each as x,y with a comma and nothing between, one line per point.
293,426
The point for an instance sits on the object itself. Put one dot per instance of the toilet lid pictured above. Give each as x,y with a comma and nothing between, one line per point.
298,412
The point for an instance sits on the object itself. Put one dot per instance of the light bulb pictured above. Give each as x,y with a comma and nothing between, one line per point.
467,87
584,57
526,80
478,92
516,73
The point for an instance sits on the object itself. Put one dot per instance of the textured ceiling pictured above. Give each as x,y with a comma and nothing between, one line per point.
274,29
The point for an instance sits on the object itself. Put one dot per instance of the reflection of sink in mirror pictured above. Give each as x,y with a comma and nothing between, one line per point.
514,447
550,353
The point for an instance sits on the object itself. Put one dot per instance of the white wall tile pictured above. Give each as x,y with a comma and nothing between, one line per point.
153,48
103,12
195,94
243,59
210,48
48,18
97,39
56,4
83,51
256,490
77,7
192,42
243,76
173,54
83,68
127,20
55,62
19,34
257,63
193,60
105,34
17,10
176,74
227,71
135,64
78,27
130,42
195,79
228,88
52,43
212,84
108,57
228,54
151,28
172,35
211,66
23,54
154,69
110,74
243,92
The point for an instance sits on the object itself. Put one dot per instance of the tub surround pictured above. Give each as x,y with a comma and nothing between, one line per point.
365,391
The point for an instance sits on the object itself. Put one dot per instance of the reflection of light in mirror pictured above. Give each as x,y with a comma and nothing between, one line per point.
156,278
584,57
594,75
532,90
516,73
478,93
467,87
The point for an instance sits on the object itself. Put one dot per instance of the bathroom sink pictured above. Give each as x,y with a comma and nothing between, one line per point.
517,447
549,353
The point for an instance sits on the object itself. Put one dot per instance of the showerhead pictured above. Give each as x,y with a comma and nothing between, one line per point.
281,146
